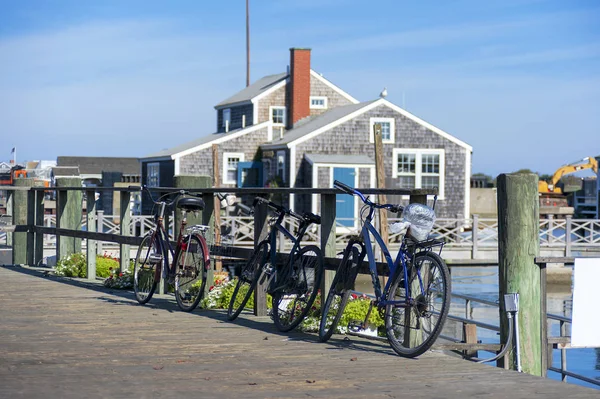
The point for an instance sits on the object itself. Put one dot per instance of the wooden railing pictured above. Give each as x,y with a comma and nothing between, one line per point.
568,234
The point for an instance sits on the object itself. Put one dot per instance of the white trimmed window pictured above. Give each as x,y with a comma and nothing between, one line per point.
230,166
277,115
227,117
419,168
281,165
318,102
153,175
388,129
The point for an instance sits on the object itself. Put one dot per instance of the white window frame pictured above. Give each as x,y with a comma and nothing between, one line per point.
419,152
314,106
226,111
271,108
150,166
226,157
281,154
391,121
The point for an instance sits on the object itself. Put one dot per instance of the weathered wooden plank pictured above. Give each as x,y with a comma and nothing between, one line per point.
60,338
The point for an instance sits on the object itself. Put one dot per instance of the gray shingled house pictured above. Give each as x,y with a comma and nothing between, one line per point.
303,131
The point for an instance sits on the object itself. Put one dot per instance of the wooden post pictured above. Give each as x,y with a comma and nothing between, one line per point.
474,236
125,227
20,216
100,229
38,254
30,222
546,350
327,239
187,182
208,219
217,183
470,337
380,172
91,227
68,215
10,194
568,232
260,223
518,245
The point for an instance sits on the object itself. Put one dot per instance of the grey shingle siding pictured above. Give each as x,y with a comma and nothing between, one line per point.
201,162
352,137
334,99
236,117
277,98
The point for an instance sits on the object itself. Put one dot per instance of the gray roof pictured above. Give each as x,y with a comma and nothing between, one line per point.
340,159
190,144
254,89
97,165
309,125
60,171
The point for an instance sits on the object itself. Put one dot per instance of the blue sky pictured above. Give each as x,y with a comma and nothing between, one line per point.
519,80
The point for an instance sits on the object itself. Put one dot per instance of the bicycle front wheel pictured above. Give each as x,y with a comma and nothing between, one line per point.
338,295
293,298
246,282
190,273
147,260
413,328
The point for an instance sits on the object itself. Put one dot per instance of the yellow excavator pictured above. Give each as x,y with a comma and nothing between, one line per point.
545,187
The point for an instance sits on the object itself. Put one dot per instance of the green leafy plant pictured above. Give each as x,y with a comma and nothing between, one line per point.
75,265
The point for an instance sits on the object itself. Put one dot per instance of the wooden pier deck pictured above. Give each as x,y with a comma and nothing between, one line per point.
67,339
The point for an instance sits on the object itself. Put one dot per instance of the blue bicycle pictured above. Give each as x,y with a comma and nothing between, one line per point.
416,298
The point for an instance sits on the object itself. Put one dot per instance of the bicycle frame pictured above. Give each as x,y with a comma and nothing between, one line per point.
166,249
278,227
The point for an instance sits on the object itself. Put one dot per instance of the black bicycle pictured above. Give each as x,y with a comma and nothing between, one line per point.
293,285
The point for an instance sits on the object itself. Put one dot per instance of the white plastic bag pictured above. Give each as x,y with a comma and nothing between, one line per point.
421,218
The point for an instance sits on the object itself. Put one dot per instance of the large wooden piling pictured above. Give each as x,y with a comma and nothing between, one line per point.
21,213
518,245
68,215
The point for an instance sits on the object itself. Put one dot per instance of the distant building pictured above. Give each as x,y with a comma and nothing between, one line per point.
102,172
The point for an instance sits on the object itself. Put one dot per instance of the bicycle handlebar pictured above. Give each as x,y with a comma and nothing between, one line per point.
352,191
310,217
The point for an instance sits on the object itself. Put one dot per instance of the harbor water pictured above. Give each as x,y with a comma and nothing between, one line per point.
482,282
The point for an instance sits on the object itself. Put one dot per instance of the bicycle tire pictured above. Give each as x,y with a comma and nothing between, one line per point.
293,298
337,297
248,277
412,333
190,273
144,269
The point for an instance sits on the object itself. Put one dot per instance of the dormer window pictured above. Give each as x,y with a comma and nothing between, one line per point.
318,102
278,115
227,117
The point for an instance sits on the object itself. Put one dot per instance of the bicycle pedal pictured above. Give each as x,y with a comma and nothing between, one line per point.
355,326
155,259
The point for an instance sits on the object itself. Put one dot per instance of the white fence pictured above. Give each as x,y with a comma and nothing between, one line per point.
475,234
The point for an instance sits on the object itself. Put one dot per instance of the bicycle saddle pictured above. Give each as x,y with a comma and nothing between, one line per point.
311,217
190,204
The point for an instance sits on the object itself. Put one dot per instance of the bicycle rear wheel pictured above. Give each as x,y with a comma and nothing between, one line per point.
190,273
412,330
293,298
147,260
338,295
247,280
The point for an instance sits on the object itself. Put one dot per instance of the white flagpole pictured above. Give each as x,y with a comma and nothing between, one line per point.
15,156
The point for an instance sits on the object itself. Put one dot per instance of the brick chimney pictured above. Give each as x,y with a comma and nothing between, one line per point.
299,93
